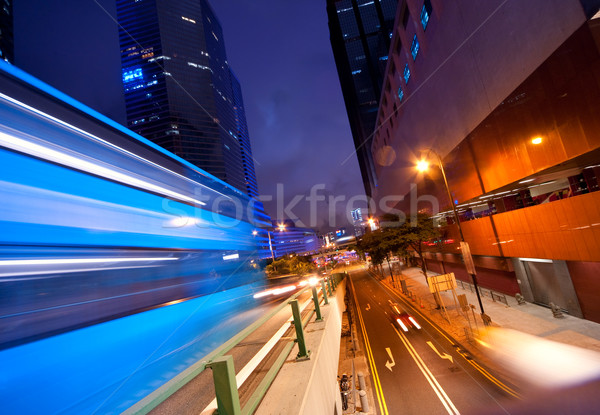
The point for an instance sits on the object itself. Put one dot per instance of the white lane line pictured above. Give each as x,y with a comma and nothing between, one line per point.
247,370
439,391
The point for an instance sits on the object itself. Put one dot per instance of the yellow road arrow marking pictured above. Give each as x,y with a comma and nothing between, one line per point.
443,356
389,364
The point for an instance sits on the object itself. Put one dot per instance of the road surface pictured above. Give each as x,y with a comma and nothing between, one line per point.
420,371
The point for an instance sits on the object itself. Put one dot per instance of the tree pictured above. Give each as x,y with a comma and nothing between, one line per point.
379,244
414,233
298,265
398,238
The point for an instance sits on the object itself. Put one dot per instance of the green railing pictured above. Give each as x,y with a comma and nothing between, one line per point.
228,401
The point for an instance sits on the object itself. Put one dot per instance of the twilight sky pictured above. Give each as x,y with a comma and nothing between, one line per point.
281,53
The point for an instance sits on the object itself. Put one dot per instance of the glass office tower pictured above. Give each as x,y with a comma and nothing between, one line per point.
179,89
244,138
6,32
360,32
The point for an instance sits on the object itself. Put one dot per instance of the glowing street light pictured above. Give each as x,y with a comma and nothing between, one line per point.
537,140
372,224
423,166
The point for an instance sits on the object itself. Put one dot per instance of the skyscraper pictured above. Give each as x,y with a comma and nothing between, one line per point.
358,221
6,32
360,33
179,90
244,138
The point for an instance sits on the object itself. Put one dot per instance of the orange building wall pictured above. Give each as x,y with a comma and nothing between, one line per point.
567,229
586,278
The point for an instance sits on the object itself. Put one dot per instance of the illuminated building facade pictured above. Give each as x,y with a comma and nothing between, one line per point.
290,239
358,221
360,33
507,93
243,138
179,90
181,94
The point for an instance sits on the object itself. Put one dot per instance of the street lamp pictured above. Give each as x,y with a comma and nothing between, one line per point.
255,232
270,245
372,224
422,166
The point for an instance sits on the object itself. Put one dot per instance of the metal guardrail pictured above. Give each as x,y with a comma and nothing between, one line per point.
495,296
222,366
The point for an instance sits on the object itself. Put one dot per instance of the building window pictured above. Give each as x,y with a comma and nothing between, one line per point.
414,48
187,19
400,94
406,73
425,13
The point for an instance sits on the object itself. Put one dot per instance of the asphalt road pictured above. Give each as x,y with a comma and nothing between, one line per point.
420,371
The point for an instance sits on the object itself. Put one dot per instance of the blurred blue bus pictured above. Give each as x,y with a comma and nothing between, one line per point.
97,222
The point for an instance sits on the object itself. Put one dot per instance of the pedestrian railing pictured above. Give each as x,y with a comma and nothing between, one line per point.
485,292
226,388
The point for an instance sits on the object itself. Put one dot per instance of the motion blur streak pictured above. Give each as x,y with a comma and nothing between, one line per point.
412,320
109,245
543,363
93,137
77,261
35,150
404,328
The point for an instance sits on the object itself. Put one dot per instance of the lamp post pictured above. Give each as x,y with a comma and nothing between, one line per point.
271,245
422,166
255,232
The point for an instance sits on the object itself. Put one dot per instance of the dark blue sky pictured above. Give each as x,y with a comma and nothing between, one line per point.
279,50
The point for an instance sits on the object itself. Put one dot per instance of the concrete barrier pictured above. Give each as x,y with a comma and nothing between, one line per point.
310,387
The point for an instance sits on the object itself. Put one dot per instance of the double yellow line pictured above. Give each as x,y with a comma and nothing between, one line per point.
377,383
